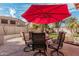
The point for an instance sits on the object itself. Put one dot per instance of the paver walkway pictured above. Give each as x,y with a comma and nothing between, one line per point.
14,47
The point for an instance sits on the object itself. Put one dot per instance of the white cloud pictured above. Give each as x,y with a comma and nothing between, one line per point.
71,7
12,12
24,20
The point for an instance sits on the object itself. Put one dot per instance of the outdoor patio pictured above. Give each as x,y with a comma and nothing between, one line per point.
37,26
14,47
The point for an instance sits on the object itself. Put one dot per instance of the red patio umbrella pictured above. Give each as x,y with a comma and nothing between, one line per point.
45,14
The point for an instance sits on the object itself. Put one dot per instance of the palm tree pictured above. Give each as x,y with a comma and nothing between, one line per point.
72,23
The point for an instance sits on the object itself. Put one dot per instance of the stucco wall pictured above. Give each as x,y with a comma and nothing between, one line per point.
1,39
1,30
8,29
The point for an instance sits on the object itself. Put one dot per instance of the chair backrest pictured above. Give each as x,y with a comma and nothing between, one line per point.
30,35
23,34
60,40
38,41
26,37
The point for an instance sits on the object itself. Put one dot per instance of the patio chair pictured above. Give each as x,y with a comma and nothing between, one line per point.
58,44
28,43
38,40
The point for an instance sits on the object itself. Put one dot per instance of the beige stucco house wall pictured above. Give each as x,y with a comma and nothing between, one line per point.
8,29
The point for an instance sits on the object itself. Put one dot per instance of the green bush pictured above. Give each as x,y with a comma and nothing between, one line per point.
53,35
76,35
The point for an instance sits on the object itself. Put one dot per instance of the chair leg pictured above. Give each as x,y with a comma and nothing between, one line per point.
45,52
61,53
27,49
56,53
40,53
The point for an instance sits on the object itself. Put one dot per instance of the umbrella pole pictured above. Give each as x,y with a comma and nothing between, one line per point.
42,28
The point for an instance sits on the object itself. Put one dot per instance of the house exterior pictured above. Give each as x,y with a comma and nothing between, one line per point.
9,25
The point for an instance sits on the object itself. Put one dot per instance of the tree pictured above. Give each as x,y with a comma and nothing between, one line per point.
57,25
72,23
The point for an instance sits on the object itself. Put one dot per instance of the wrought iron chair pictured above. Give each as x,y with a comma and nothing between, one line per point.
58,44
28,46
38,40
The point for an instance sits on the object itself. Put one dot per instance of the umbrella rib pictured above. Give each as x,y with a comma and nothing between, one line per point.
56,7
57,13
49,13
53,8
33,18
38,9
56,18
36,15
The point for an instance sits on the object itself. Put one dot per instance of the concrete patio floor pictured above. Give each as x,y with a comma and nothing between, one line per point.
14,47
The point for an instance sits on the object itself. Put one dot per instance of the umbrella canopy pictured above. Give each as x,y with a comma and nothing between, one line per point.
45,14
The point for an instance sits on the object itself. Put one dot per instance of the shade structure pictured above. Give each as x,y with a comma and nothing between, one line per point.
45,14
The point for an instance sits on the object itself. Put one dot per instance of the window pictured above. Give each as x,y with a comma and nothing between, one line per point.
12,22
4,21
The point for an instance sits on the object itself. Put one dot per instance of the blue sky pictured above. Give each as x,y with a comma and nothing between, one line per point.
16,9
13,9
